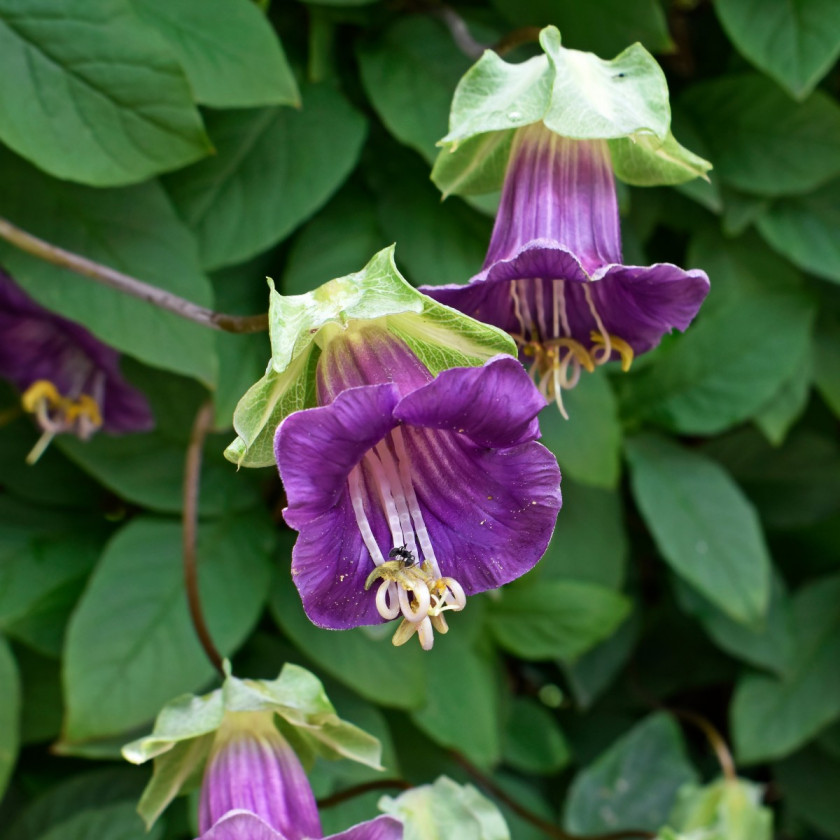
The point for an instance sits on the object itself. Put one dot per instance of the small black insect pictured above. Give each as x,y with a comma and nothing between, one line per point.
401,552
619,76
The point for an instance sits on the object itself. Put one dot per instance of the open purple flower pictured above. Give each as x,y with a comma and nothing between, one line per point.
70,381
553,276
255,789
411,492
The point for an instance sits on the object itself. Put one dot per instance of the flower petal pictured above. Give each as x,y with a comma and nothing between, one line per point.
490,513
642,303
242,825
381,828
495,405
316,448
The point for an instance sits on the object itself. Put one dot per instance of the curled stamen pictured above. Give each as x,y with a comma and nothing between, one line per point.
576,349
387,600
417,609
600,354
619,345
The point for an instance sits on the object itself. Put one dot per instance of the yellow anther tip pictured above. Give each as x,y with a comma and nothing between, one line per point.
41,389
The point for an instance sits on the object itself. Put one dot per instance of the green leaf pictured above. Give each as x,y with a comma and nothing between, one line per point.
772,717
827,359
554,619
704,527
787,405
65,69
229,51
794,41
73,796
148,469
131,645
409,75
446,810
462,699
588,444
118,821
768,645
438,243
633,784
604,27
338,240
133,230
273,169
762,142
589,542
10,710
533,742
41,706
749,341
392,676
804,228
809,782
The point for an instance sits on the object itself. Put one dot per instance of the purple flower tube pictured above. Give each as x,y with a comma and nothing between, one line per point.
553,276
256,789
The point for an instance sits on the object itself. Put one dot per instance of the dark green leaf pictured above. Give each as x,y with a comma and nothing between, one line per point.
228,50
760,140
131,646
42,705
391,676
769,645
148,469
337,242
589,543
809,782
274,167
772,717
133,230
633,784
795,41
703,526
91,94
588,444
603,26
410,75
555,619
749,342
827,359
533,742
804,230
118,821
10,708
461,709
787,405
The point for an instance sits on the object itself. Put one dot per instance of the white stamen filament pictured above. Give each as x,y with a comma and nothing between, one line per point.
410,587
413,505
560,304
387,499
394,477
517,308
355,480
387,600
541,308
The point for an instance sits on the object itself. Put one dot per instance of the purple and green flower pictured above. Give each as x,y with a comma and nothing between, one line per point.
69,380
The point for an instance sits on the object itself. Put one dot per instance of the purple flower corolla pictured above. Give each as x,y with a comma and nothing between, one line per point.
69,380
424,489
553,276
256,789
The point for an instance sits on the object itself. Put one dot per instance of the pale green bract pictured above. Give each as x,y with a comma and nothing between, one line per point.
300,324
727,809
183,732
444,810
573,93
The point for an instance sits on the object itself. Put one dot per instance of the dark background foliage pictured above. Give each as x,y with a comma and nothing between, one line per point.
695,561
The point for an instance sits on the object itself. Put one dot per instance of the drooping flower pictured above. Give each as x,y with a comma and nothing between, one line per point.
553,276
255,788
69,380
410,491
